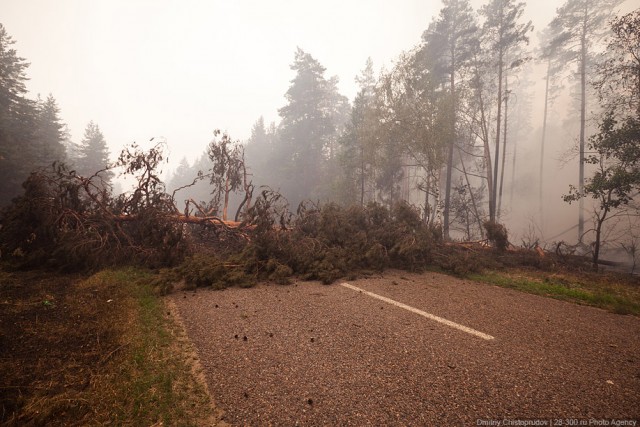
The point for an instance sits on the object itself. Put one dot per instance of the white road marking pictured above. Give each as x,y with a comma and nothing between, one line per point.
421,313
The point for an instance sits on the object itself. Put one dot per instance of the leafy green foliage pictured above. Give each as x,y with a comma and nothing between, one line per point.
449,45
228,173
577,27
48,134
616,154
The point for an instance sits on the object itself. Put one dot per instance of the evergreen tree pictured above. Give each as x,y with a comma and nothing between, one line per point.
187,174
448,46
260,154
310,121
182,176
259,133
618,76
502,33
578,25
358,144
17,120
49,133
411,132
94,155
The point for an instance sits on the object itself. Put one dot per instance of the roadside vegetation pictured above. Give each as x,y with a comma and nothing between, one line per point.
618,293
85,337
90,341
94,350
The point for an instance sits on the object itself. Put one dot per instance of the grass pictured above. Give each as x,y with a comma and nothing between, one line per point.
610,292
103,350
95,351
153,382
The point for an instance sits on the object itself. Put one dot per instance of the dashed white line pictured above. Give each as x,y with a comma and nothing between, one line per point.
421,313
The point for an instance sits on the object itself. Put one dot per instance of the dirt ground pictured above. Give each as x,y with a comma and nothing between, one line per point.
310,354
77,351
53,341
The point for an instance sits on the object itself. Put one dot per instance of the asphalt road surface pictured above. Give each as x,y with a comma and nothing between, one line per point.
408,349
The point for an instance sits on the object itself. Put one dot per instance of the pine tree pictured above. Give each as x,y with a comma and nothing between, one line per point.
49,133
358,144
618,76
17,120
182,176
447,48
308,130
578,25
260,154
94,155
502,32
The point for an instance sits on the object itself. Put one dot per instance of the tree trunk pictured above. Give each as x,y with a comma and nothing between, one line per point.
184,219
226,199
427,190
597,243
494,196
451,142
473,199
498,123
513,170
485,142
436,196
361,172
544,135
504,143
583,104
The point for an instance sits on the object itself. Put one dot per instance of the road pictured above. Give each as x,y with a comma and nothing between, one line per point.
387,350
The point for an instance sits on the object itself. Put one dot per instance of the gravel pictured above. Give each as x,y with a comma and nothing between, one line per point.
309,354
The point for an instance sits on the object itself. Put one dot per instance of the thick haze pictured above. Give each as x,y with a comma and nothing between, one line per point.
180,69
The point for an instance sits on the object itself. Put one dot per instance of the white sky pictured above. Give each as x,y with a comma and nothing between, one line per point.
181,68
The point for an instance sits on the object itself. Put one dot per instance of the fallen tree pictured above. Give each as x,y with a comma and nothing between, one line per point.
67,220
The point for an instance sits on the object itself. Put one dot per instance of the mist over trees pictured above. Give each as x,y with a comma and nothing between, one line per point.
91,156
32,133
453,127
578,26
448,47
312,119
615,148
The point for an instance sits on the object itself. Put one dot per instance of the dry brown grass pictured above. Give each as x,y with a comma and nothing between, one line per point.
93,351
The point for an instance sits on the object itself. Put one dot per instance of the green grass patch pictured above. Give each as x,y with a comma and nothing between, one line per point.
155,383
616,297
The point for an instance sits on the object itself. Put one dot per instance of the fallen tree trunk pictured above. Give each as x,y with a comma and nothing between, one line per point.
185,219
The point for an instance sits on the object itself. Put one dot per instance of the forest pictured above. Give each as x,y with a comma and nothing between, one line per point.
437,133
444,162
